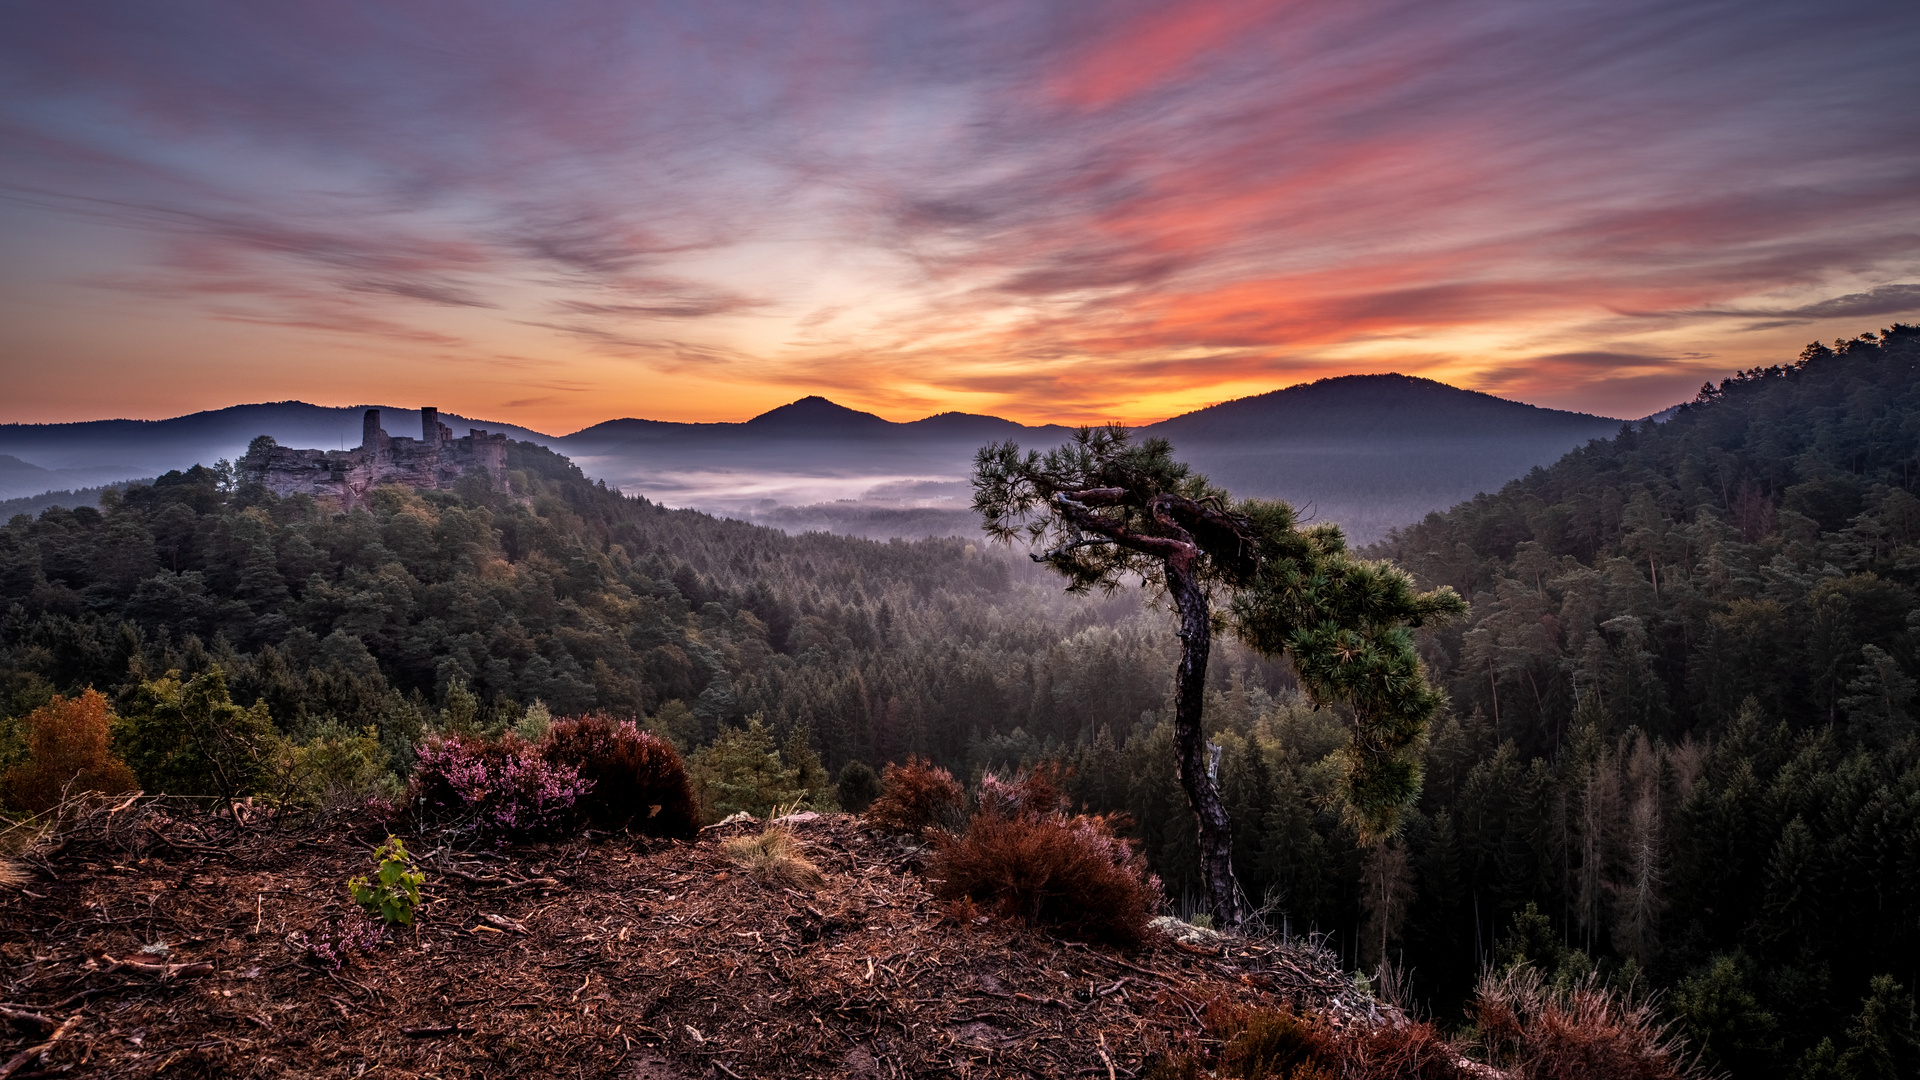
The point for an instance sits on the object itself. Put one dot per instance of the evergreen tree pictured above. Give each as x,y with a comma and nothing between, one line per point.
741,771
1105,509
189,738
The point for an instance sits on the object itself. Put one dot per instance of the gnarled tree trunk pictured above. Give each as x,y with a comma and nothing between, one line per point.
1180,554
1190,745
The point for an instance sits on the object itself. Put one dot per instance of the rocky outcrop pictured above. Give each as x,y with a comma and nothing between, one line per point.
435,460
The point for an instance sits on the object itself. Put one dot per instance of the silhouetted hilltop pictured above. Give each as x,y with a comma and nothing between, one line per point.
1389,406
979,428
1374,451
815,416
811,417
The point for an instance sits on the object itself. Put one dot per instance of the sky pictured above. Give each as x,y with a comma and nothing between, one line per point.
557,212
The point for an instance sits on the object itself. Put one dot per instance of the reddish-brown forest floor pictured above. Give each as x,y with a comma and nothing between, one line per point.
597,957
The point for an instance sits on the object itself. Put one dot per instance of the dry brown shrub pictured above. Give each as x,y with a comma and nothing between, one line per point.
1261,1043
67,754
1270,1044
1537,1031
775,857
638,781
916,797
1033,793
1074,873
1404,1051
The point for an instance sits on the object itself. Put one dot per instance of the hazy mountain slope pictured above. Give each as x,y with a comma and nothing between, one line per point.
1372,407
812,456
1374,451
22,478
1368,451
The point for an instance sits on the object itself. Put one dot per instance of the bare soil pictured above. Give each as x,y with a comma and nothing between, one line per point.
602,956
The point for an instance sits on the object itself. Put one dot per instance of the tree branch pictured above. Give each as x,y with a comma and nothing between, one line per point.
1049,556
1111,496
1080,514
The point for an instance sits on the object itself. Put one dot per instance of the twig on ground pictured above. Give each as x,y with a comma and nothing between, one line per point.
28,1019
108,965
434,1031
20,1060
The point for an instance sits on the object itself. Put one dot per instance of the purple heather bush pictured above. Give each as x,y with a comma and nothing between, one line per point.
502,787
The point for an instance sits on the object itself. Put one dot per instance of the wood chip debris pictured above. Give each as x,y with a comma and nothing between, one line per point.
612,956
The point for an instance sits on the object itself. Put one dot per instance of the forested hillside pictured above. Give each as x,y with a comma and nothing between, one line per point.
1684,701
565,593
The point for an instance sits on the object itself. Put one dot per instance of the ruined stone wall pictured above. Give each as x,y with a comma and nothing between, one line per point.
342,474
436,460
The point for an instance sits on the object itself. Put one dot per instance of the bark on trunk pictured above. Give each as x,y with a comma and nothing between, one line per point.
1190,749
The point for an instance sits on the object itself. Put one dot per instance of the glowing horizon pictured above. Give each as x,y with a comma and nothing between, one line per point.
1047,212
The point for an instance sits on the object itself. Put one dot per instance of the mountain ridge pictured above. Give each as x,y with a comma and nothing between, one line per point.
1370,451
810,414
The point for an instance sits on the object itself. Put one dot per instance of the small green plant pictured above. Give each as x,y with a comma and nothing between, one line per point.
395,889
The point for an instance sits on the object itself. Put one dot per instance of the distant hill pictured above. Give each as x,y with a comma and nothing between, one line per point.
71,498
22,478
809,465
1371,407
1374,451
1368,451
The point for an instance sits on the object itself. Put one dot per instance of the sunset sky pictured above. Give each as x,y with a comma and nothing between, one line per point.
553,213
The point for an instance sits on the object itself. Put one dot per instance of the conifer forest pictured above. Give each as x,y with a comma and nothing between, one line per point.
1678,749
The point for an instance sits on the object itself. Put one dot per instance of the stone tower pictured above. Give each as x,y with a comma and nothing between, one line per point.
372,439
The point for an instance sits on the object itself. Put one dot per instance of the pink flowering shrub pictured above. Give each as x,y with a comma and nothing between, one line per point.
353,933
501,787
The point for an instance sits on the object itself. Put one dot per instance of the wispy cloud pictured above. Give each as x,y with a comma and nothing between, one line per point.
1898,299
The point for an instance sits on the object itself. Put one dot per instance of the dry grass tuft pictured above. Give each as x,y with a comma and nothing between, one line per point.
1537,1031
13,875
775,857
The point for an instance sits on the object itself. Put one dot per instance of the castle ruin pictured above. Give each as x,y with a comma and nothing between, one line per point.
435,460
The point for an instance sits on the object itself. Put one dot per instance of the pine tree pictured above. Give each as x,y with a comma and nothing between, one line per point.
1877,700
742,771
803,765
1104,509
189,738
